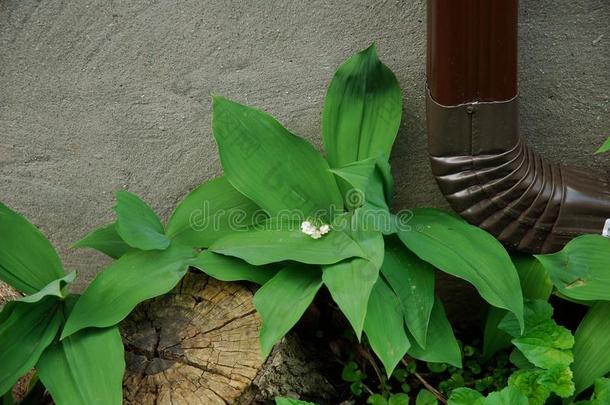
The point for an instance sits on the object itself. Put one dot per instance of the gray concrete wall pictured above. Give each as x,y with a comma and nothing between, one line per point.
97,96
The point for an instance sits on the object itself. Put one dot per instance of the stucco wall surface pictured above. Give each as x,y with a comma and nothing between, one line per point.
97,96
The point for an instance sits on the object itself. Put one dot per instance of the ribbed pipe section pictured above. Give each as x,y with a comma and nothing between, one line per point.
493,179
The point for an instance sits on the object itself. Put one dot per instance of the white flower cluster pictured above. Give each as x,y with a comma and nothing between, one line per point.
310,229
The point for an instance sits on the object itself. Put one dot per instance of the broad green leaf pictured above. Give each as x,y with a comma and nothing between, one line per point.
412,280
277,170
467,252
580,269
592,347
533,277
211,211
274,242
367,181
465,396
494,339
425,397
85,368
605,147
135,277
283,299
370,240
106,240
350,283
54,288
24,335
137,224
227,268
535,284
384,326
290,401
362,110
601,394
28,262
508,396
441,345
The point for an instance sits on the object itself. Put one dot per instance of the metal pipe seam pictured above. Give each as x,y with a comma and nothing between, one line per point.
494,180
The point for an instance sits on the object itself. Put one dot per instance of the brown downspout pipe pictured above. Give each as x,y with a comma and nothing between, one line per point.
487,172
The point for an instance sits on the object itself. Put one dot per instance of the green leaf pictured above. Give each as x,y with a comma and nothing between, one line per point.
546,345
370,240
536,312
384,326
376,399
535,284
508,396
412,280
399,399
350,283
558,379
592,347
425,397
605,147
226,268
85,368
362,110
275,242
28,262
441,345
54,288
580,269
135,277
137,224
106,240
211,211
527,382
283,299
290,401
351,372
465,396
370,181
274,168
467,252
533,277
24,335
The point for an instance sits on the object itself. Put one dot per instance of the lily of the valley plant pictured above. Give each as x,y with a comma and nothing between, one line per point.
295,220
85,368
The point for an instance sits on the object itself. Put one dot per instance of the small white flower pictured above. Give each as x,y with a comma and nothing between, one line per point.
307,227
316,233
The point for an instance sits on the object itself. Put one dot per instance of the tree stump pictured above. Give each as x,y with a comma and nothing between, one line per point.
199,345
196,345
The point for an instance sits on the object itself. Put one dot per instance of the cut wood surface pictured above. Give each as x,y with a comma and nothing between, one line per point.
196,345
